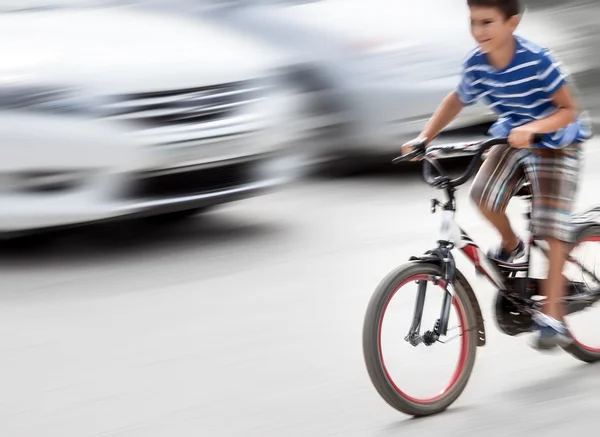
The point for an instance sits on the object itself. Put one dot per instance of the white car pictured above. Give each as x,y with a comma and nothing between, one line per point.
115,112
382,66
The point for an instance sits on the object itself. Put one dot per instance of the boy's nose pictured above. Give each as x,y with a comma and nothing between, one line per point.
478,33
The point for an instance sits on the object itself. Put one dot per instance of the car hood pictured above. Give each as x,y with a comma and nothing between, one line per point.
123,49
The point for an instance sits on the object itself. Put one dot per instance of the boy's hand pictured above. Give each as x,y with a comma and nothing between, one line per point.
410,146
521,137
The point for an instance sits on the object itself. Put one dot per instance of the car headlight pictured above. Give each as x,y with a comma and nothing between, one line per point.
48,182
48,99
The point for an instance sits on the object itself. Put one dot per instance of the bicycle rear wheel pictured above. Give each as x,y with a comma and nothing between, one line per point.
377,369
584,325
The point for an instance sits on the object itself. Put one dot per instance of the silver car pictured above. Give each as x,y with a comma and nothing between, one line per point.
110,112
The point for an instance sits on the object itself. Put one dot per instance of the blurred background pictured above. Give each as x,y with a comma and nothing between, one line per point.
197,201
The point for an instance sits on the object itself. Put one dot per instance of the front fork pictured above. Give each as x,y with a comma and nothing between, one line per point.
444,256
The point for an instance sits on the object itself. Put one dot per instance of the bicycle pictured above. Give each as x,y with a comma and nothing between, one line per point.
516,296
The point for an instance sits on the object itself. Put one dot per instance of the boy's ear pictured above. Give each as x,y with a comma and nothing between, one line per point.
514,21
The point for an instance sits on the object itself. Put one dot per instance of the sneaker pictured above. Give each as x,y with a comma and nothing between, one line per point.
550,333
502,255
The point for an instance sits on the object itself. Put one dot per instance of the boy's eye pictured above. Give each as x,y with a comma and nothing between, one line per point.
481,22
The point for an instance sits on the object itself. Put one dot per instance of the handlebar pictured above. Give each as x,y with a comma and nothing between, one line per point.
429,155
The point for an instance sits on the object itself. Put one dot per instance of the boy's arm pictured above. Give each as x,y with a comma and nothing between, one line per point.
466,93
554,82
444,114
566,114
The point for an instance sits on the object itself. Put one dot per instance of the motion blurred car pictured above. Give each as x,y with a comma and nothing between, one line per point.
115,112
376,69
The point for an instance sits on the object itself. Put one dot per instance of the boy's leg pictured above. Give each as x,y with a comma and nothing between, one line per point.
554,286
499,178
554,176
500,221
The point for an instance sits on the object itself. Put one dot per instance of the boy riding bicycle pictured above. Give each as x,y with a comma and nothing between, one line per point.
524,85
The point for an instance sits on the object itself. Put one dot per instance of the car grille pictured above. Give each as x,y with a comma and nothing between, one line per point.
185,106
199,181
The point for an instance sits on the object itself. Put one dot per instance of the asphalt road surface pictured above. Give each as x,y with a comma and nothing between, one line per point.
247,322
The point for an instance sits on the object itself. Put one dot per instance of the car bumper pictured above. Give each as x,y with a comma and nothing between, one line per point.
22,218
113,173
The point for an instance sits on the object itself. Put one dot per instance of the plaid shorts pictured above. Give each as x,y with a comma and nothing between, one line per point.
554,178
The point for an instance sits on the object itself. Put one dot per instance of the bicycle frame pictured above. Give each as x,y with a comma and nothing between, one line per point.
453,236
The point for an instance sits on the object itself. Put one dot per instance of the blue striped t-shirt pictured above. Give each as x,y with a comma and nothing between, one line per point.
520,93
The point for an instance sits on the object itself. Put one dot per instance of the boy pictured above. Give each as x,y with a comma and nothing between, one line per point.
524,85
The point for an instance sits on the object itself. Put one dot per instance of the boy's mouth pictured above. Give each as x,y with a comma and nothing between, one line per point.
483,41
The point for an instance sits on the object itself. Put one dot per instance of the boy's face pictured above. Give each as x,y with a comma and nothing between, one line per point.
490,28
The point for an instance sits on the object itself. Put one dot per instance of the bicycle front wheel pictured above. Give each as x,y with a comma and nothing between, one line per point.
378,366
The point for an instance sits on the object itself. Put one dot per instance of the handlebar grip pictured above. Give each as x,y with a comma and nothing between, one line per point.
402,158
419,149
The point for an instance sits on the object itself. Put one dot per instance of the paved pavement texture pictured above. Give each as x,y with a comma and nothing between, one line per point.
247,322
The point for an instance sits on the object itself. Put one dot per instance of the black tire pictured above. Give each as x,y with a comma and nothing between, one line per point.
576,349
175,217
371,346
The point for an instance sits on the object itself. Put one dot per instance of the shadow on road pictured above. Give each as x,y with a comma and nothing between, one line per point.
140,237
580,381
538,405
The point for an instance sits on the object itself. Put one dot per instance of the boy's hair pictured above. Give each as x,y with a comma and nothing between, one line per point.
508,7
